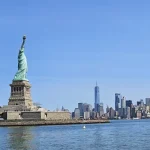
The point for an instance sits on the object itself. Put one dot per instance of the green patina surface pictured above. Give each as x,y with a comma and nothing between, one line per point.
22,64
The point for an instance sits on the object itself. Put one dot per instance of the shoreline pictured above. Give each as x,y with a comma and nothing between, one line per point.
8,123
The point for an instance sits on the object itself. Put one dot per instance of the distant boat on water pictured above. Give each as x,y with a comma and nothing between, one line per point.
84,127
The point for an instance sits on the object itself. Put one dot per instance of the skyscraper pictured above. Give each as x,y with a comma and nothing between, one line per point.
123,102
77,113
123,107
101,109
87,107
107,109
80,106
128,103
140,103
97,99
117,101
111,113
128,112
147,101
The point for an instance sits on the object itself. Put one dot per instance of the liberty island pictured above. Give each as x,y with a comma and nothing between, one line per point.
20,105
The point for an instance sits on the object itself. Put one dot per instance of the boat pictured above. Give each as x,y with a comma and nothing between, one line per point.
84,127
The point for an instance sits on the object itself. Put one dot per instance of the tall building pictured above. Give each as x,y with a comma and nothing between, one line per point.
117,101
147,109
123,107
142,103
97,99
87,107
123,102
128,112
107,109
73,116
147,100
138,103
86,115
138,114
133,112
111,113
101,109
128,103
62,109
76,113
84,107
80,106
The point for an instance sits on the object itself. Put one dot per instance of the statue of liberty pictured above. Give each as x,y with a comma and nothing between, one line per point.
22,64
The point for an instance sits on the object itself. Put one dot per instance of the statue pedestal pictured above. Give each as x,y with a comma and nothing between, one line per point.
20,94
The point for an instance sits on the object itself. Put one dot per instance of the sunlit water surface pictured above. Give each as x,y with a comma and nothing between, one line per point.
117,135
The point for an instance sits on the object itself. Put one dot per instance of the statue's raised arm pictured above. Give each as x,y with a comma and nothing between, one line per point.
22,63
24,38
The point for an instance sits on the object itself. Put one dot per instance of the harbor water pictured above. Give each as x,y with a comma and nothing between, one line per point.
117,135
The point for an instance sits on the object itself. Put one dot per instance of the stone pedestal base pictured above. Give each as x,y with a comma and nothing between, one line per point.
20,94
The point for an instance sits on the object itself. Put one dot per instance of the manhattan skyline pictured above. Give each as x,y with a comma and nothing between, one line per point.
76,44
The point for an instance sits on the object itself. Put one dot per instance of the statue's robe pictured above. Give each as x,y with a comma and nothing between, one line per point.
22,66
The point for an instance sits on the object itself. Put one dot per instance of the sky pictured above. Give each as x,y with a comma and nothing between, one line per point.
71,44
